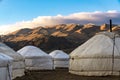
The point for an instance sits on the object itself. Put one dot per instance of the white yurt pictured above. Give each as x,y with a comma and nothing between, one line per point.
99,56
5,67
36,59
61,59
18,61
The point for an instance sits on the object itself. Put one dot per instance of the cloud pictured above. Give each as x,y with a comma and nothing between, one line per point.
97,17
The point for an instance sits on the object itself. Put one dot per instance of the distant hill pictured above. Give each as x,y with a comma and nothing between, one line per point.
63,36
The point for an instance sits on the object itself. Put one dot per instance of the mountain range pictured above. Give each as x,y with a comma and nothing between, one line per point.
63,36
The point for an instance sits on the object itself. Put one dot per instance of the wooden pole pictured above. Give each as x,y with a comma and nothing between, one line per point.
110,25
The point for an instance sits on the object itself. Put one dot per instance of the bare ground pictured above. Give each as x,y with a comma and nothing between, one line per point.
59,74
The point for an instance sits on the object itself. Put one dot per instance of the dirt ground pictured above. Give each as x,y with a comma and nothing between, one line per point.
59,74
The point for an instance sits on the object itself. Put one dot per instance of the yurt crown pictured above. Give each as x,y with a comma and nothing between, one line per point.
109,34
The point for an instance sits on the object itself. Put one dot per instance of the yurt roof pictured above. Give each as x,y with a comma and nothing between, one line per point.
59,54
32,51
10,52
5,60
100,45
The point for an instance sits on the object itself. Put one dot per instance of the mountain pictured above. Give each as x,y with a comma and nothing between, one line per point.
63,36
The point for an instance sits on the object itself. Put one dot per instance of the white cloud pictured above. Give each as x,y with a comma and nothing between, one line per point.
96,17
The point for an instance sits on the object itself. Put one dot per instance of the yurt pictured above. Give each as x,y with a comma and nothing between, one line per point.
18,65
99,56
60,58
36,59
5,67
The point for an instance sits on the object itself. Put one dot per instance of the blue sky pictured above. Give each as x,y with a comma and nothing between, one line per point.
12,11
17,14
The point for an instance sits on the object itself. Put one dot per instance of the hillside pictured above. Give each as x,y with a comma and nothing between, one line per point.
63,36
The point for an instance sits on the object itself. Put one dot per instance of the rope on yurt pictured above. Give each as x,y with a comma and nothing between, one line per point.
9,72
113,54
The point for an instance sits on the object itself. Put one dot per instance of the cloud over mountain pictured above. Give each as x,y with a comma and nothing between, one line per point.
96,17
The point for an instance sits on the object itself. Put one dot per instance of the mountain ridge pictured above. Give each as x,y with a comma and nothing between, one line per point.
62,36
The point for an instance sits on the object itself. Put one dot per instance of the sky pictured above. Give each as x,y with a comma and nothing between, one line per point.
17,14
